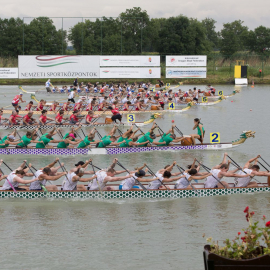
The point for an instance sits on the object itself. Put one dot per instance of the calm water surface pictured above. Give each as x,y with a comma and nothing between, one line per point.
132,234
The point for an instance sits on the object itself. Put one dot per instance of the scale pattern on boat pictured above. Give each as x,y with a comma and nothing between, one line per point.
148,194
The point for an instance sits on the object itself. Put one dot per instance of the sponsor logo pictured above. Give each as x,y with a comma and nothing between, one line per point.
172,60
105,59
150,59
105,71
46,61
150,71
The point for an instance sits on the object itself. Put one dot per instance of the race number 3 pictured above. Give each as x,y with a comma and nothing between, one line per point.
204,99
131,118
171,106
215,137
220,93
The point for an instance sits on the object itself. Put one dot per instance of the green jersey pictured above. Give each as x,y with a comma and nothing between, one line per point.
125,143
25,140
166,139
199,130
105,142
63,144
85,142
145,138
43,142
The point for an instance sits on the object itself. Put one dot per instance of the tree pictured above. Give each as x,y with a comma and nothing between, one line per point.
233,38
211,34
259,40
41,37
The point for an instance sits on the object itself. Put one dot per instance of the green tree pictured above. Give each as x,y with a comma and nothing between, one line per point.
41,37
233,38
211,34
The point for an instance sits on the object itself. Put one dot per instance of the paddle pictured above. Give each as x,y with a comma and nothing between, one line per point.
96,176
64,170
182,171
8,180
136,180
182,135
142,133
156,177
209,172
42,186
264,161
237,166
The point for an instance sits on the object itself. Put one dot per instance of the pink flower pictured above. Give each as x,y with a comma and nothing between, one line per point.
251,213
267,224
246,209
263,218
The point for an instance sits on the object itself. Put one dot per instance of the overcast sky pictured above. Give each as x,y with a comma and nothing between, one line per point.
253,13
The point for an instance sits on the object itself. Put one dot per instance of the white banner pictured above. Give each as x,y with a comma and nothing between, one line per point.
186,72
58,66
132,73
129,61
10,73
186,60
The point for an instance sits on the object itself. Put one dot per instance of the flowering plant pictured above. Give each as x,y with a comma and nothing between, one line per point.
255,241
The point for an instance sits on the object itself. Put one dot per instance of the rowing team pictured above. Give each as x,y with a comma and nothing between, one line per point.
132,180
126,139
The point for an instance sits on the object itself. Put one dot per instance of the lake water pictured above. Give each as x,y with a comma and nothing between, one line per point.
132,234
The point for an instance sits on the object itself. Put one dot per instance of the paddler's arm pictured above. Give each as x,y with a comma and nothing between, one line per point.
129,130
171,166
251,160
224,158
113,164
77,128
86,163
3,177
200,126
87,179
53,163
137,169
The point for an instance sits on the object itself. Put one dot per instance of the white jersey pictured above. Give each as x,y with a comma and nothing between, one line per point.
98,182
211,182
6,185
36,185
128,183
48,84
156,183
68,184
71,95
243,182
183,182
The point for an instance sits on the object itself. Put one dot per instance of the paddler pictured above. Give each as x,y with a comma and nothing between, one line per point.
116,114
1,117
42,176
43,118
28,120
169,138
13,118
74,118
90,115
71,181
40,105
88,140
69,138
15,178
29,106
66,106
200,129
47,138
48,86
29,137
60,117
103,177
10,139
16,100
54,106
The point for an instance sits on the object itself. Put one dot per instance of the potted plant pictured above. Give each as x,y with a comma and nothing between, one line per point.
248,250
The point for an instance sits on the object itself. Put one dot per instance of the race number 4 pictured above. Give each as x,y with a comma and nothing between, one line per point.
168,84
131,118
204,99
171,106
215,137
153,89
220,93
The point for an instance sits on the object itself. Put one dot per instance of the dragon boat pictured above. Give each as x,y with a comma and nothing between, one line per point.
115,193
185,145
108,123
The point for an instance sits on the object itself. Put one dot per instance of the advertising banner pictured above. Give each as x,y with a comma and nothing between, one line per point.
8,73
186,60
133,73
58,66
186,73
129,61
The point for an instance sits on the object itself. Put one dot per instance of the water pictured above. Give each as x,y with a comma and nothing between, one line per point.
132,234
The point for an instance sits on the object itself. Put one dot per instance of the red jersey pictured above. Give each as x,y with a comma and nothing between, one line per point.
100,107
77,106
28,107
64,107
74,118
59,118
39,107
115,111
43,119
26,118
89,107
14,118
53,107
89,118
16,99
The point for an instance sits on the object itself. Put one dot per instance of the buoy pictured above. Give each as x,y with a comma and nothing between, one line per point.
172,121
231,100
252,86
250,109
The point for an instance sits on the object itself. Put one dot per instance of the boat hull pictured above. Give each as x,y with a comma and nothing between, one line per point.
140,194
110,150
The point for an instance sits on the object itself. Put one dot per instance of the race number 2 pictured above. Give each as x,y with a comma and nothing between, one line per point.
131,118
220,93
204,99
215,137
171,106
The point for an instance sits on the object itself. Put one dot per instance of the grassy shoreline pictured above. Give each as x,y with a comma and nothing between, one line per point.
211,79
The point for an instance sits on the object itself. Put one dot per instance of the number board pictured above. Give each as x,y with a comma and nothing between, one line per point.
172,106
131,118
204,99
168,84
220,93
215,137
153,89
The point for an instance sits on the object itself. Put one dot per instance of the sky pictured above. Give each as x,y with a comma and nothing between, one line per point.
253,13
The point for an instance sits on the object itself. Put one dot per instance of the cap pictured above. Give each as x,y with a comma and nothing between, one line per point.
79,163
140,173
71,135
11,137
21,93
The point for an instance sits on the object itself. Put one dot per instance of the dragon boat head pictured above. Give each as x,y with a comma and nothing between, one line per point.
156,115
247,134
